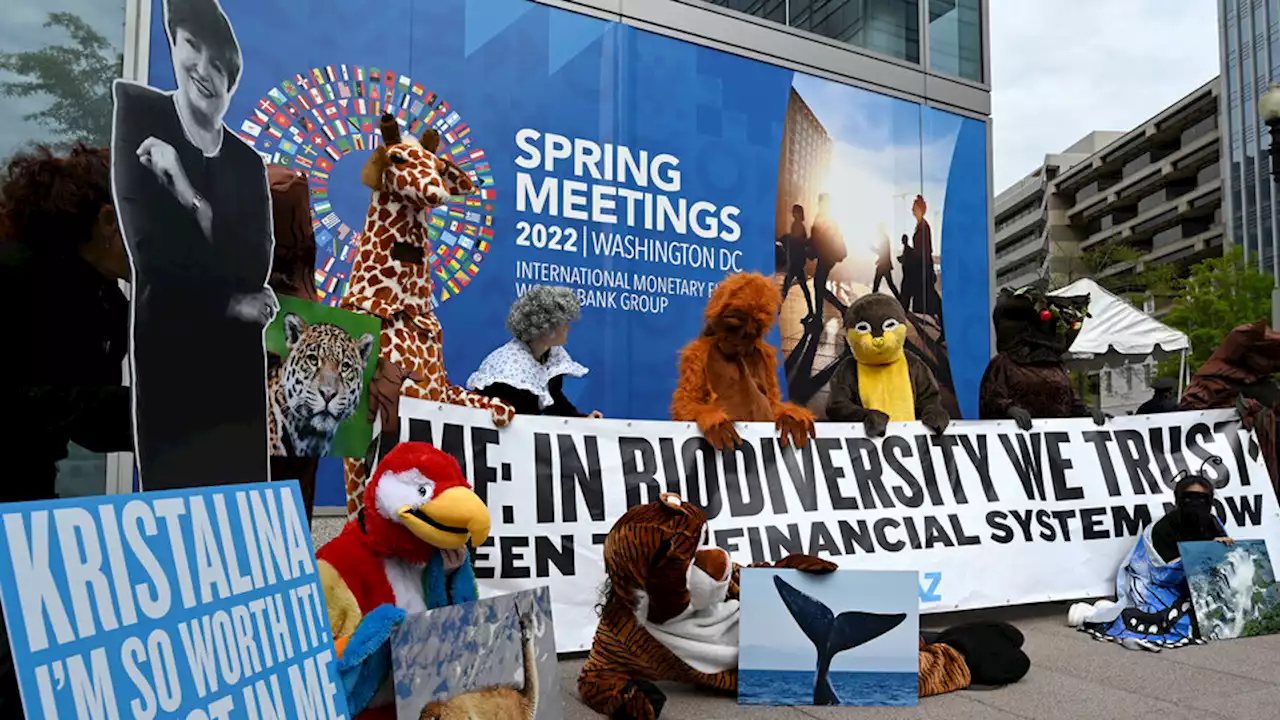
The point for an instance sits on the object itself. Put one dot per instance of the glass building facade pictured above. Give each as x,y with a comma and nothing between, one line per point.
1250,46
950,30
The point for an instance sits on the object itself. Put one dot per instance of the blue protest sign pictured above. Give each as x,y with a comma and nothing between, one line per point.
199,604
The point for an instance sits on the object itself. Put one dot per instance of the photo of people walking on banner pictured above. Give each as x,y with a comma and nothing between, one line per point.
839,206
196,217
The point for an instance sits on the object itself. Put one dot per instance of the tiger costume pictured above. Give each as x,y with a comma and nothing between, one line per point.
653,555
316,387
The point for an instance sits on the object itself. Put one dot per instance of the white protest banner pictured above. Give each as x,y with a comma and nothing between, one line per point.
987,514
198,604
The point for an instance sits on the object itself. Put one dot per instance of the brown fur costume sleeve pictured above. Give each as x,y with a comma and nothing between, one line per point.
738,316
796,423
794,561
844,402
693,400
929,409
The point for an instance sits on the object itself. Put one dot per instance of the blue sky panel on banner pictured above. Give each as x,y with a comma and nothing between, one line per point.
634,168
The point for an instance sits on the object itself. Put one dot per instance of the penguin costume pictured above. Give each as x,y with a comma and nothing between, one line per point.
882,382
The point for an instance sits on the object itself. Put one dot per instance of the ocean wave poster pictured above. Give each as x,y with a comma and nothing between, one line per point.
846,638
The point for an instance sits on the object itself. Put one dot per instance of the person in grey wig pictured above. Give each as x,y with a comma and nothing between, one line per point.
528,372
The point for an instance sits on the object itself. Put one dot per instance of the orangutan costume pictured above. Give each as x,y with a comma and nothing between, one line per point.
1028,378
729,374
1239,374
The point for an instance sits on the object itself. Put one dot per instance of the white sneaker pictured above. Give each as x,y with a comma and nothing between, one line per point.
1077,613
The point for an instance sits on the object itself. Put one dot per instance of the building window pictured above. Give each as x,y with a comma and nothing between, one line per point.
775,10
888,27
955,38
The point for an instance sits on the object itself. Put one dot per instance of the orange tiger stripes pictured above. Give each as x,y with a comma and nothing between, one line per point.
647,554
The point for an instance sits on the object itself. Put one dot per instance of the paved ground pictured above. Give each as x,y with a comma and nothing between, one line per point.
1072,676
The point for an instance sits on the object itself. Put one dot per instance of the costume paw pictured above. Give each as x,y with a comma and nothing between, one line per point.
875,423
1020,416
795,427
937,421
718,429
501,413
807,563
642,701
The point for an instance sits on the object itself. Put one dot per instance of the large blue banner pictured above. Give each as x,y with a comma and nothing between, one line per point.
634,168
194,604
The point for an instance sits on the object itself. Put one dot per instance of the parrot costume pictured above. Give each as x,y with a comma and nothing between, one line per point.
417,503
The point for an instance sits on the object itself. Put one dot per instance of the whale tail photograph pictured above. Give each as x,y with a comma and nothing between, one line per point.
852,638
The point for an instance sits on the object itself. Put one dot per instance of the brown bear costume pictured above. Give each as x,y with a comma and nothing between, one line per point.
1028,378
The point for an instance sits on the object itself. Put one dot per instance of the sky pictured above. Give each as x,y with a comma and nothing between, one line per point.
1060,70
885,152
771,640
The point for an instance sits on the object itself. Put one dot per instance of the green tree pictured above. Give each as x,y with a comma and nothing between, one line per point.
1134,285
76,77
1219,294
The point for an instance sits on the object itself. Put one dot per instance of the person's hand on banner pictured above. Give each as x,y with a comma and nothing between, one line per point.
1020,416
875,423
255,307
1225,541
596,414
384,393
1099,418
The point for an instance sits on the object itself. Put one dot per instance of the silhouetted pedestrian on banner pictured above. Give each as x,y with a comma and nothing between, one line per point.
884,264
911,277
799,250
829,246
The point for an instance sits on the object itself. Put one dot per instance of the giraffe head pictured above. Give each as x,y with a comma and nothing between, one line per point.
411,170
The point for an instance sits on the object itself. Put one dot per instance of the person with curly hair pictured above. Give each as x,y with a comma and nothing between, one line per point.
528,372
61,256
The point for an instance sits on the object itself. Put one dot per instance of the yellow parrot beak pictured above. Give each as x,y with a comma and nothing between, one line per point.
449,520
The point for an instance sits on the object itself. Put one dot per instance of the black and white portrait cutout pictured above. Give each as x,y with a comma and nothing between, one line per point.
195,210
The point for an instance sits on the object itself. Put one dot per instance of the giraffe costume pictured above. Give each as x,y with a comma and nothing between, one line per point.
391,275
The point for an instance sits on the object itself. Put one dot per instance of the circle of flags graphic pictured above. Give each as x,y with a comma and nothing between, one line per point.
317,118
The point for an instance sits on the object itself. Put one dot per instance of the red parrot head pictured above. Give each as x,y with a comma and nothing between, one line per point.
419,495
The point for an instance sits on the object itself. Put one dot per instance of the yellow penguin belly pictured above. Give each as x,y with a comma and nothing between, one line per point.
887,388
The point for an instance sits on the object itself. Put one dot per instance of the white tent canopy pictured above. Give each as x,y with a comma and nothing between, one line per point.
1117,333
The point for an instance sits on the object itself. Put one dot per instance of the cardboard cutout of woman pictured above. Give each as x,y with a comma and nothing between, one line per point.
196,215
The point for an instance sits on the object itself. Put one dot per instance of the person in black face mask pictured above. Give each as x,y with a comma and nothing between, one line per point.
1190,520
1153,610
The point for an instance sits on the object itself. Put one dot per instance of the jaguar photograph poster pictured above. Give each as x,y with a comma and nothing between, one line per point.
637,169
195,212
319,363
